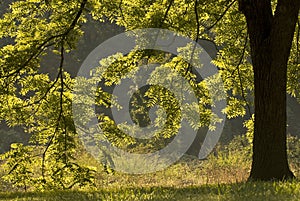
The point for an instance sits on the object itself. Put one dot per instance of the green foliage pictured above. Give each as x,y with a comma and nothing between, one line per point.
20,165
294,66
32,100
26,169
293,144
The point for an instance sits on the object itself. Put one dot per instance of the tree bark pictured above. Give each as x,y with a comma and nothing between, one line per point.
271,37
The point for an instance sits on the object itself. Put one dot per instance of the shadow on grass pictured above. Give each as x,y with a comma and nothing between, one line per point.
238,191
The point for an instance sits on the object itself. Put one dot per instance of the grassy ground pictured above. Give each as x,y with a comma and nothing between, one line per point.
221,177
238,191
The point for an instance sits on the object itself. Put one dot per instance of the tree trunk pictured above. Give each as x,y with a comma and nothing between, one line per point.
271,37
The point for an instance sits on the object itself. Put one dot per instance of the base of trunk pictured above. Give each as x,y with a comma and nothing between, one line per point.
288,175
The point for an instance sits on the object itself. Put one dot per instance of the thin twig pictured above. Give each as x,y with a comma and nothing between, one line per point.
220,17
60,74
167,12
189,67
121,10
240,77
297,42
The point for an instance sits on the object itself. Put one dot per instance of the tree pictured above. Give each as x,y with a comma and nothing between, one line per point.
42,104
271,35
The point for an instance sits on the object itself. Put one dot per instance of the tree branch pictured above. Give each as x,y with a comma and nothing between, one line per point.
40,48
220,17
167,11
240,77
60,115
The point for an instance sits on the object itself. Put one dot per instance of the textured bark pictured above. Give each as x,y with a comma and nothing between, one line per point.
271,37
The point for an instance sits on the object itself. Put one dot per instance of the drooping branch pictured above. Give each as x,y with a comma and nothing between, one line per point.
48,42
207,29
60,115
62,84
167,11
240,77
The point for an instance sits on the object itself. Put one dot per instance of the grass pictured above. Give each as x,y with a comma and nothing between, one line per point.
237,191
222,177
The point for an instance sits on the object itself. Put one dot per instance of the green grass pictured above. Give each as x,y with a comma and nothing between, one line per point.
238,191
222,177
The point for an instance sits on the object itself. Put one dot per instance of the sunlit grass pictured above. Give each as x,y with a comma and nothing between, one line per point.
222,176
238,191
